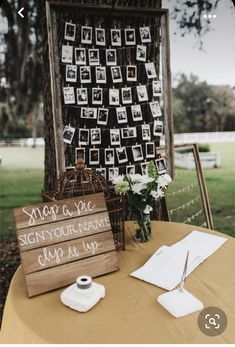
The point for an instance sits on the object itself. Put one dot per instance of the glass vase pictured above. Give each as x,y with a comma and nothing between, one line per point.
143,229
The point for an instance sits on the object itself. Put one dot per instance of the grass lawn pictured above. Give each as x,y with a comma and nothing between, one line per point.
21,183
221,189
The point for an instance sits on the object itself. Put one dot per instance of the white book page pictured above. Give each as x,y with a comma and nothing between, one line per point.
165,268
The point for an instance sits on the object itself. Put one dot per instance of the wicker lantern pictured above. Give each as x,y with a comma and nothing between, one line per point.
82,181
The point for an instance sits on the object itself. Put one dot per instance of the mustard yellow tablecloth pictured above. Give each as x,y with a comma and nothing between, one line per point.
129,313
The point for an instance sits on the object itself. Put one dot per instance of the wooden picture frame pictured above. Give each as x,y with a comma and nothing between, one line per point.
201,183
118,12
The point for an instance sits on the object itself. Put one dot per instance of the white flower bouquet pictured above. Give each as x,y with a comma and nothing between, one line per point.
142,191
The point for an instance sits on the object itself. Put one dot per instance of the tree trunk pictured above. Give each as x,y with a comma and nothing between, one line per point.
49,161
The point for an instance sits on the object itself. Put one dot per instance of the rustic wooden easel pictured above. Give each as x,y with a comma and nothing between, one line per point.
201,183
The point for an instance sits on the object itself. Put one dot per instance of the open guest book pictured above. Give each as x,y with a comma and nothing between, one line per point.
164,268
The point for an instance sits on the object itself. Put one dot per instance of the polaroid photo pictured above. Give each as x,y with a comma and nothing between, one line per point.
100,73
100,37
79,154
114,97
157,128
95,136
116,37
121,115
88,113
94,57
97,96
102,117
70,31
83,136
142,93
150,150
150,70
69,95
136,113
146,133
94,156
157,88
144,168
102,171
82,96
126,95
70,168
130,37
129,133
115,137
121,155
160,166
113,173
116,74
141,53
111,57
131,73
145,35
86,35
130,169
85,74
68,134
137,153
71,73
109,156
80,56
155,109
67,54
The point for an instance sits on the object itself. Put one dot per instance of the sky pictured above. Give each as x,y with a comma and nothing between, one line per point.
216,64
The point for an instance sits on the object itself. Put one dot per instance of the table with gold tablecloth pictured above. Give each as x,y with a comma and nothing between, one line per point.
129,313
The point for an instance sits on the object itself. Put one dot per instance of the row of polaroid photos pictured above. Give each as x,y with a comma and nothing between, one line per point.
113,95
93,136
71,73
112,172
101,115
123,154
101,34
80,55
122,118
97,98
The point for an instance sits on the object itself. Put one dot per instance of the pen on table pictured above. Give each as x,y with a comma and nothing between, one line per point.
184,273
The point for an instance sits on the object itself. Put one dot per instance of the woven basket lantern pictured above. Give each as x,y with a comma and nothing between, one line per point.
82,181
78,182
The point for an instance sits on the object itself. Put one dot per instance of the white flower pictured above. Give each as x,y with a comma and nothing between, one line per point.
164,180
136,178
156,194
146,179
147,209
138,187
160,193
118,179
167,178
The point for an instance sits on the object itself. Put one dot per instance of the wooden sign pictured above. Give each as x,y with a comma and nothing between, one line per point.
62,240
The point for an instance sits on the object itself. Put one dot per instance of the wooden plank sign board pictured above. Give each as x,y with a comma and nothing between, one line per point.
64,239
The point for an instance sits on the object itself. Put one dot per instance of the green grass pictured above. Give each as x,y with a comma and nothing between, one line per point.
221,189
21,182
